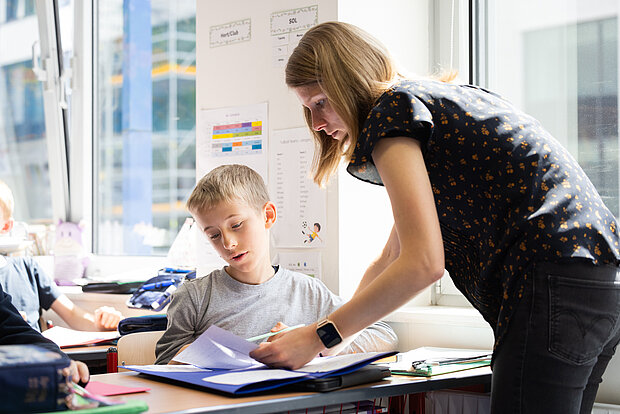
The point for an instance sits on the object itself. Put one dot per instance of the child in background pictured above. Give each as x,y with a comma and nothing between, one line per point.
248,297
32,290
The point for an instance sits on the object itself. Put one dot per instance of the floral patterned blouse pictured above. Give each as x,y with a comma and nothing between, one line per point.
507,193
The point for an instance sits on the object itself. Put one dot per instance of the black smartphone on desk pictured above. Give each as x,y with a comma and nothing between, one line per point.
364,375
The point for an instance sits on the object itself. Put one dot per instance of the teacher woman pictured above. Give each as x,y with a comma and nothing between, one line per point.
476,187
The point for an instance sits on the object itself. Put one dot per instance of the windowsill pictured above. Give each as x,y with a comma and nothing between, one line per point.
439,315
100,299
113,268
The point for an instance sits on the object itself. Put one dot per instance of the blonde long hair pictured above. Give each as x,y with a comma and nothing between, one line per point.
353,69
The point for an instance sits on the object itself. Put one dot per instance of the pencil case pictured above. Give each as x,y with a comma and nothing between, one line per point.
156,292
145,323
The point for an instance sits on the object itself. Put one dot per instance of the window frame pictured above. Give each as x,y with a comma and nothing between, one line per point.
456,51
50,73
82,161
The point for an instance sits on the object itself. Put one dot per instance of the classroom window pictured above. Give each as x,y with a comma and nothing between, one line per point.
23,147
11,10
145,111
564,72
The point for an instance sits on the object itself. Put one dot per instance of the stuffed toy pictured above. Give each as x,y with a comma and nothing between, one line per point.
70,259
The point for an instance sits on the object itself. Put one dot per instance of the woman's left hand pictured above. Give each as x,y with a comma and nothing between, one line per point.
292,350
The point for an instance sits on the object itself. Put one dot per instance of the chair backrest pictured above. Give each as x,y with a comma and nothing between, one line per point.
138,348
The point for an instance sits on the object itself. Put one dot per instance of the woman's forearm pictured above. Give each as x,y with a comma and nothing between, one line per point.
398,284
388,255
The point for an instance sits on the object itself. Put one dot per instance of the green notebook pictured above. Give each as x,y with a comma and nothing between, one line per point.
429,370
130,407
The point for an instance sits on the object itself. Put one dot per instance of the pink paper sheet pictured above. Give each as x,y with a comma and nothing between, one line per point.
108,390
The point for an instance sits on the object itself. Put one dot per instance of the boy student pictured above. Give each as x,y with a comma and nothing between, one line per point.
248,297
32,290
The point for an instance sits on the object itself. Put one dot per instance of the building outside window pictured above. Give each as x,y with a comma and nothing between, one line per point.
23,148
146,169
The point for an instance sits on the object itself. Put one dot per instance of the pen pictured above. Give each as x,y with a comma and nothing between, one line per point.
157,285
269,334
173,270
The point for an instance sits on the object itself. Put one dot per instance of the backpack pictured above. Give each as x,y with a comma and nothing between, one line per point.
156,293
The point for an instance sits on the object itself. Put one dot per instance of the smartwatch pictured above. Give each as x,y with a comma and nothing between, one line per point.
328,333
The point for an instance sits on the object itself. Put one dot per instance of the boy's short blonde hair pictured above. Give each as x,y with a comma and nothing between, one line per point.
7,203
229,183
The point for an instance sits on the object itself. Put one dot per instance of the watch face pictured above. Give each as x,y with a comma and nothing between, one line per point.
329,335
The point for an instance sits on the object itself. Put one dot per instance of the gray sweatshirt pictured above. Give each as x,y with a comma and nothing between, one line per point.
249,310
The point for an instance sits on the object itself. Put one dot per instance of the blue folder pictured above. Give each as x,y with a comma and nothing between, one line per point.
201,378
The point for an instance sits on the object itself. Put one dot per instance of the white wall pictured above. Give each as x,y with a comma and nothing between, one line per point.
243,73
365,216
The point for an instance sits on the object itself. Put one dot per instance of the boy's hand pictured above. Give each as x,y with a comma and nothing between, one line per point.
279,326
107,318
77,372
173,362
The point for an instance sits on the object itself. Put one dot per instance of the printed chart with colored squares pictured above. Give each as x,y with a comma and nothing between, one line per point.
242,138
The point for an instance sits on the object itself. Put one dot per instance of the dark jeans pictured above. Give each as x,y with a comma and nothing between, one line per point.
559,342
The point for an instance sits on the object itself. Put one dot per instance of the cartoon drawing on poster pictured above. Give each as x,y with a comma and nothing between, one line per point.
312,232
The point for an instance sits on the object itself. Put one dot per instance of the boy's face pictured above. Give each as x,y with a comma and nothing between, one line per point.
240,236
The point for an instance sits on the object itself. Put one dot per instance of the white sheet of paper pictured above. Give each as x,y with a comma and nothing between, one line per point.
332,363
219,349
68,337
247,377
320,364
168,368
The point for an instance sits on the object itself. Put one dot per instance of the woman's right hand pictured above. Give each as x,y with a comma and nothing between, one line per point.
292,350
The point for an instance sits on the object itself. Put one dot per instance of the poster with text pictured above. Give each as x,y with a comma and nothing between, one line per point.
287,29
300,203
306,262
235,135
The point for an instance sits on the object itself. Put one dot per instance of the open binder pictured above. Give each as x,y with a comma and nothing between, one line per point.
220,361
252,380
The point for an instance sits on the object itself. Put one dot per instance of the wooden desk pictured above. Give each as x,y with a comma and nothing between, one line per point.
165,398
